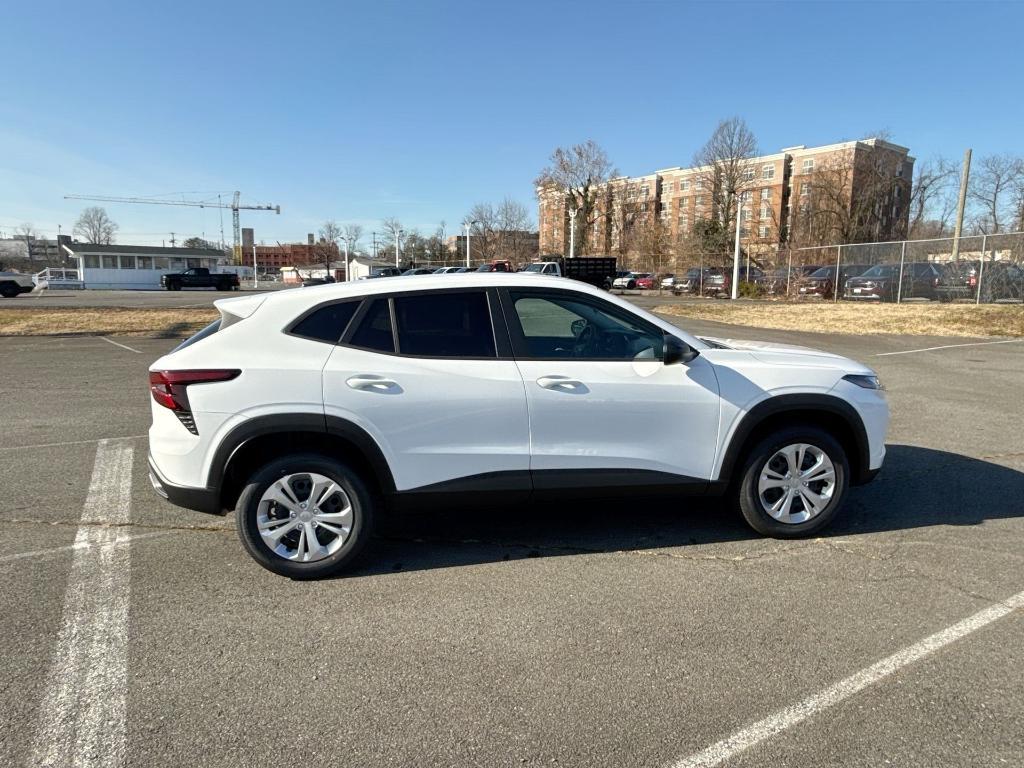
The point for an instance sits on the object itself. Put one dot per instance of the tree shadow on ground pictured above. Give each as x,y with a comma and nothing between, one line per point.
918,487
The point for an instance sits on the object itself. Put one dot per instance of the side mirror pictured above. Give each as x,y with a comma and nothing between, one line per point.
677,351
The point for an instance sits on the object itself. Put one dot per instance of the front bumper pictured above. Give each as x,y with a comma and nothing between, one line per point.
205,500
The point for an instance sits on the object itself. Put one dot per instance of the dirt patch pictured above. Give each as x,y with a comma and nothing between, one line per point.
166,323
826,317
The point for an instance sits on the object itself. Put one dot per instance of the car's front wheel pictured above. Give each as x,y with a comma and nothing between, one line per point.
793,482
305,516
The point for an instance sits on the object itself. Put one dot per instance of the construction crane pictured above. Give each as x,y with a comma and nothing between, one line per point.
235,207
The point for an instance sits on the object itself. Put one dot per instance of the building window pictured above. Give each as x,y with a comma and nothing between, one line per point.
159,262
127,262
768,172
145,262
808,165
745,195
192,263
805,187
92,262
766,193
699,186
644,190
744,231
684,185
699,201
766,211
110,262
748,174
898,192
762,231
683,201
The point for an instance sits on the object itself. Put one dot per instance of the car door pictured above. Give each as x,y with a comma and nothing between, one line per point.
602,403
425,374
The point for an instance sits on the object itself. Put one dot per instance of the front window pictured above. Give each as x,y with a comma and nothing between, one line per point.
563,326
882,270
534,268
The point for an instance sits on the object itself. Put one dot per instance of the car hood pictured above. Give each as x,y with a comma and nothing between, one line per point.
773,353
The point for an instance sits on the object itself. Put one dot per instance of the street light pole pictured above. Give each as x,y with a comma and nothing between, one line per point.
348,272
572,232
736,251
467,245
398,245
255,269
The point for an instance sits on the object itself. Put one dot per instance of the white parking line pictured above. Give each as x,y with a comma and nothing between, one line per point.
122,346
718,753
950,346
82,717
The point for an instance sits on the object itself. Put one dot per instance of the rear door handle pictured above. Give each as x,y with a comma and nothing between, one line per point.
560,382
372,383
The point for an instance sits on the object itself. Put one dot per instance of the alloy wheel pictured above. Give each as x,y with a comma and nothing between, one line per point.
796,484
304,517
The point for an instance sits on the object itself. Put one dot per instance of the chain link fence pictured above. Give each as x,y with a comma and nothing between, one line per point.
978,269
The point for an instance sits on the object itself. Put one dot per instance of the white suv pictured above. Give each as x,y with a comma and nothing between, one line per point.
309,412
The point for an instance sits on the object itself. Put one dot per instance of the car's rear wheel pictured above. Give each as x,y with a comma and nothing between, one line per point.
9,290
305,516
793,482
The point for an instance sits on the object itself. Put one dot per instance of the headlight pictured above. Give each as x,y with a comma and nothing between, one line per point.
868,382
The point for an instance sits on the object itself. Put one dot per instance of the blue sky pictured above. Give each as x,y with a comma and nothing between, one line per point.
357,111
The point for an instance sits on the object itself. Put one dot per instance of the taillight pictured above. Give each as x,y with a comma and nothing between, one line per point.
972,281
170,389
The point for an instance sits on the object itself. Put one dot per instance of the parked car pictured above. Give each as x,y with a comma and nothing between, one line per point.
199,277
775,282
718,282
1000,280
691,282
446,270
668,282
822,283
646,282
629,280
419,271
14,283
882,282
496,266
385,272
303,411
309,282
609,281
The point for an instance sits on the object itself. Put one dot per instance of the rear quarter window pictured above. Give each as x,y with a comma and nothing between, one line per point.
326,323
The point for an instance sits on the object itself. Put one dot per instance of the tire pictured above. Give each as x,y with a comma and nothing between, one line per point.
361,503
9,290
765,455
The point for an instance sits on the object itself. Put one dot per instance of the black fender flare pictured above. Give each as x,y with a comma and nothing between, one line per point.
800,402
329,426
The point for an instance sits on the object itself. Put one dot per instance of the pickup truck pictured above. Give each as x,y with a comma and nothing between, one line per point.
13,283
200,277
596,270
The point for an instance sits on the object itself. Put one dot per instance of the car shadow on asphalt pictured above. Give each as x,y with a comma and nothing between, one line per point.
917,488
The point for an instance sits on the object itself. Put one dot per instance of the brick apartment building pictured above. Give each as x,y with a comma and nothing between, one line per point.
272,257
852,191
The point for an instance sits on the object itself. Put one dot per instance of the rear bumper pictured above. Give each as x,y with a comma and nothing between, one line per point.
205,500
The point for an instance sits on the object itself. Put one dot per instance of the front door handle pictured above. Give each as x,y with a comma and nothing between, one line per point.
372,383
563,383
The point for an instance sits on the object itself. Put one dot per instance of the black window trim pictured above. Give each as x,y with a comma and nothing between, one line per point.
502,341
518,338
290,328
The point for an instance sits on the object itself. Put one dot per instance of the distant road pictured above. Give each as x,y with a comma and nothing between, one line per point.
199,297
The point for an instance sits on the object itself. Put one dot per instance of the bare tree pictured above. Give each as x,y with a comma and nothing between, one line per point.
726,168
352,234
326,249
94,226
577,174
483,221
993,187
932,201
513,227
392,231
26,233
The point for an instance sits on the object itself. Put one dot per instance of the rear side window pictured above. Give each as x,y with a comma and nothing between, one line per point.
328,323
209,330
374,329
445,325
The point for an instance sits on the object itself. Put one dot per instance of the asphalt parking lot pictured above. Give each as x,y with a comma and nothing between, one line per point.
639,634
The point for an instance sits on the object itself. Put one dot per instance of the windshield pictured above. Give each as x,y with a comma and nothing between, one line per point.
534,268
824,272
882,270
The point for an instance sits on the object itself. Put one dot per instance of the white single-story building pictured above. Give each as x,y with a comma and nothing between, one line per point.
139,267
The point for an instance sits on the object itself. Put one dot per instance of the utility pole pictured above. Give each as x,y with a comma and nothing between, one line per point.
736,252
961,203
467,245
255,268
398,245
374,246
348,273
173,241
572,232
